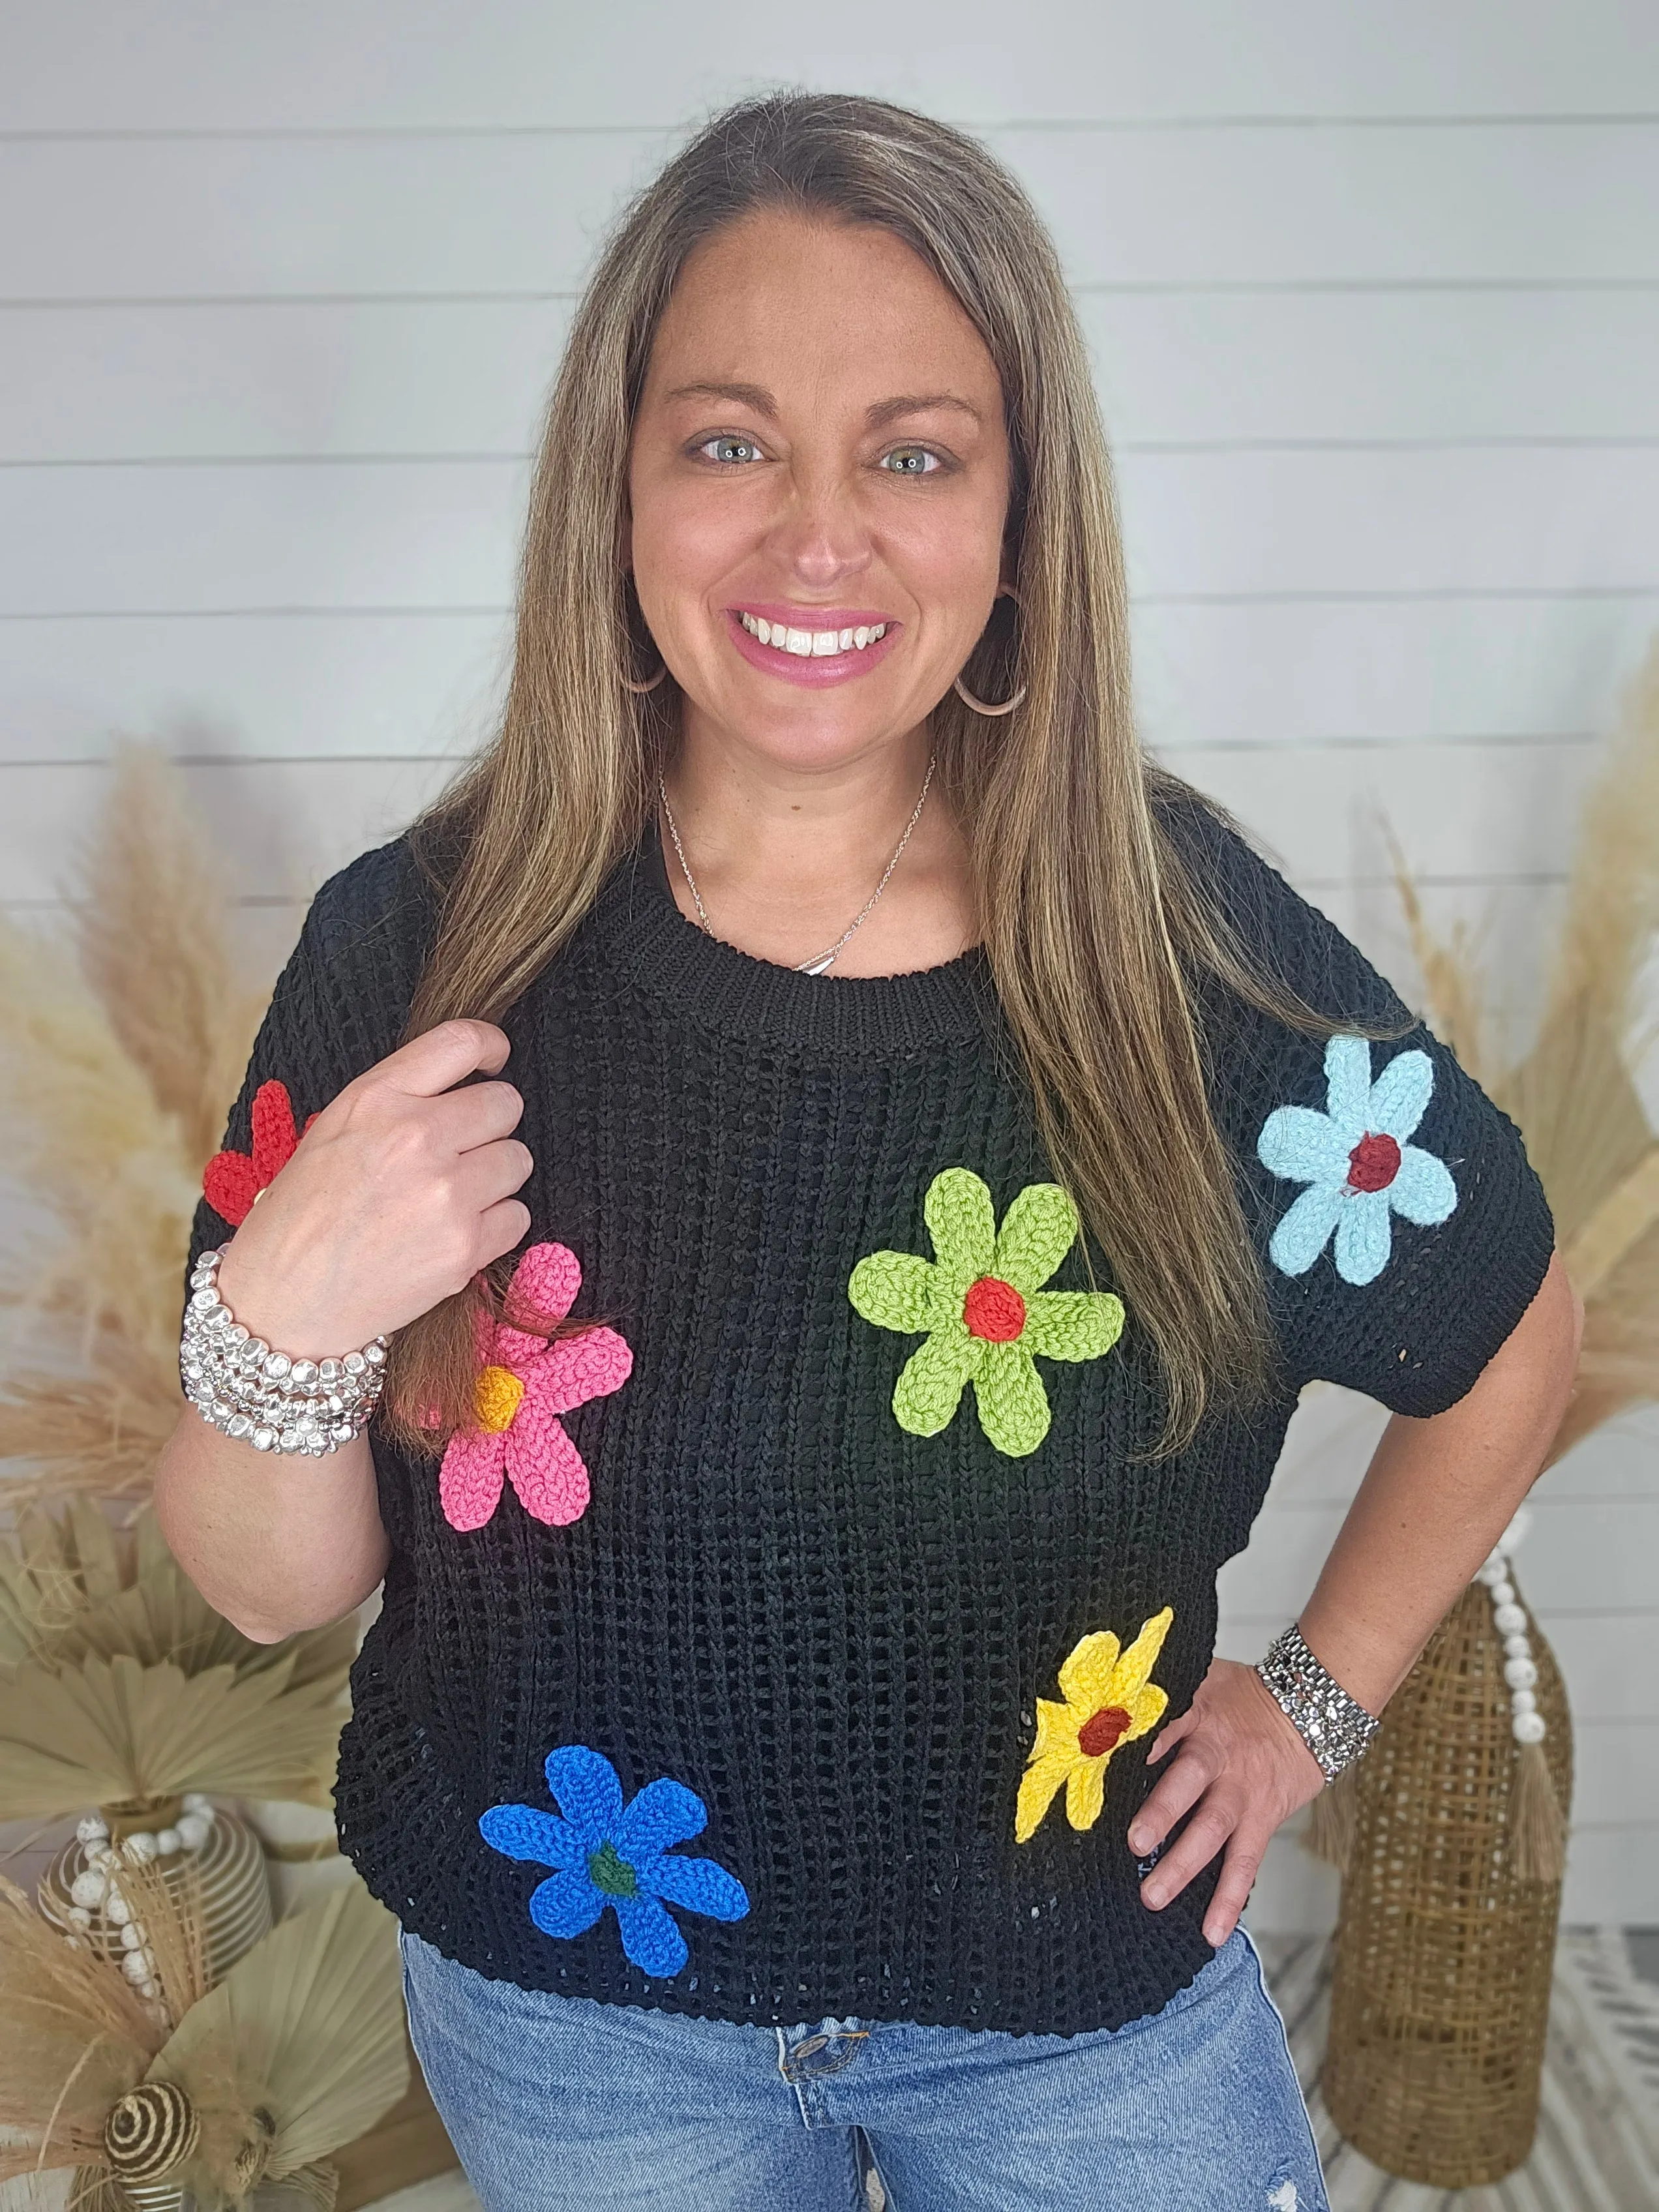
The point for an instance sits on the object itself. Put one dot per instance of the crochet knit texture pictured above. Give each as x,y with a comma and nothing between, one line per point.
800,1617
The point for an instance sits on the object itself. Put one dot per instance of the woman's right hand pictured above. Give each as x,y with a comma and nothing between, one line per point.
399,1191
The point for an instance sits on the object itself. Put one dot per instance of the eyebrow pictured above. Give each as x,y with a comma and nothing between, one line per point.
877,415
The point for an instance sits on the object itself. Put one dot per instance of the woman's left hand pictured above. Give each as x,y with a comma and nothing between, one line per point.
1245,1769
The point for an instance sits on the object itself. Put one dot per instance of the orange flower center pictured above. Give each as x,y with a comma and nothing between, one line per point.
495,1397
1102,1730
993,1309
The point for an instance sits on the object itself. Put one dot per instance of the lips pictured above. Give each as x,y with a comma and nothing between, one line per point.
813,670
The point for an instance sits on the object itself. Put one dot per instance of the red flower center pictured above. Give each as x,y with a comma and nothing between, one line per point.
1373,1164
1101,1731
993,1309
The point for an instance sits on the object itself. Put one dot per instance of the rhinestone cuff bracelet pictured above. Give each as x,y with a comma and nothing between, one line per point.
244,1388
1335,1726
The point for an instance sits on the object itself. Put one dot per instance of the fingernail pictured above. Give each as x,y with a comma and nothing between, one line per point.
1152,1893
1138,1839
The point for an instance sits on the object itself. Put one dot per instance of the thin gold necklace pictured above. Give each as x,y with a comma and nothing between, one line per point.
824,960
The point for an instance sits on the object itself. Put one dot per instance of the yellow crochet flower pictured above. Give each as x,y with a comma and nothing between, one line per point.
1108,1701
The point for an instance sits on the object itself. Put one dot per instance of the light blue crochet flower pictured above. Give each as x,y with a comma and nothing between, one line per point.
1356,1163
604,1853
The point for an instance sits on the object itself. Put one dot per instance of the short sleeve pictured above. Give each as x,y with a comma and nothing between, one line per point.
340,1005
1402,1230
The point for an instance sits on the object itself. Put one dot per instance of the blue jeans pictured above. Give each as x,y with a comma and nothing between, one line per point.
555,2102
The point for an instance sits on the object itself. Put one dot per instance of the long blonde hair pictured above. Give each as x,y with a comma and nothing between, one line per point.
1091,925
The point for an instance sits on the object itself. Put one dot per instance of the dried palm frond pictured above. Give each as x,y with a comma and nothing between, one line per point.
71,1587
1573,1093
239,2094
110,1731
74,2038
312,2023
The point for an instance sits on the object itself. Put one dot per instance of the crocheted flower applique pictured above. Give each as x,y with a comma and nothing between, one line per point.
1356,1162
604,1853
232,1181
1108,1701
980,1304
524,1383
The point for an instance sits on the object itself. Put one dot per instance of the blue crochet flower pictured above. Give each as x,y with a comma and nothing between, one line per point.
1356,1163
604,1853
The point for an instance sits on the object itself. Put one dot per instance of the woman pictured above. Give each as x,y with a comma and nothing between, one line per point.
827,1378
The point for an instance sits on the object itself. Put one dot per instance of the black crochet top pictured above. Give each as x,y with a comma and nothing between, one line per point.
788,1644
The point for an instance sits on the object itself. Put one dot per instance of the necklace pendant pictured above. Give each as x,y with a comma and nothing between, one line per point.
816,966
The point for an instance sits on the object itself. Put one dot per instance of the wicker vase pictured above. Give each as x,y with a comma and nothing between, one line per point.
1443,1954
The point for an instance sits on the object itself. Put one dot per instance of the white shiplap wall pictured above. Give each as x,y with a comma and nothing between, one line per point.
1374,297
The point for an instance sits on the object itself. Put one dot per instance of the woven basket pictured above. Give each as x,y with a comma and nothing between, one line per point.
1443,1955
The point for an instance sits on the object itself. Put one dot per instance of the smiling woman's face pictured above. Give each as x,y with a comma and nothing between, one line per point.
819,458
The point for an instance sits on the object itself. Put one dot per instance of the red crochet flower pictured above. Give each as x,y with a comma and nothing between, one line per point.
232,1181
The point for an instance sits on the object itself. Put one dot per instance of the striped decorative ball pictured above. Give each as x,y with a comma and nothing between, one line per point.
234,1893
150,2130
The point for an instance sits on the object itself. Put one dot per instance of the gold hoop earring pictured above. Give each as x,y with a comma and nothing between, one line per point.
628,684
982,706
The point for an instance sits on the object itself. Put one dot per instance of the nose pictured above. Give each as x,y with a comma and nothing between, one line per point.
819,538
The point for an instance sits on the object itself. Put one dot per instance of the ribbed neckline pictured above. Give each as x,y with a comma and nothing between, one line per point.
718,987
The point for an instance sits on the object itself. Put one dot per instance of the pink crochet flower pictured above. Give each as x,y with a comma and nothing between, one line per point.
524,1383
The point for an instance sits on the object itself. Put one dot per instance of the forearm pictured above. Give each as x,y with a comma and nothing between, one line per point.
275,1545
1436,1498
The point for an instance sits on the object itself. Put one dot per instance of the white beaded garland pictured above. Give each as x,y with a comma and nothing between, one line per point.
1509,1618
95,1893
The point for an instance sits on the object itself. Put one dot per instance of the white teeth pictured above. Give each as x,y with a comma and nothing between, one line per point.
809,644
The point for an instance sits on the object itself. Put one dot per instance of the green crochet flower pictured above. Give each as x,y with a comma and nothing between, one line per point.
982,1304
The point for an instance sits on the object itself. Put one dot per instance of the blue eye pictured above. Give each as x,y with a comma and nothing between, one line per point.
732,449
906,458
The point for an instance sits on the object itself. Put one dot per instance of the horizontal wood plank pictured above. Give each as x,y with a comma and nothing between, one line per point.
372,216
1451,804
189,65
158,381
1258,677
1251,525
1602,1562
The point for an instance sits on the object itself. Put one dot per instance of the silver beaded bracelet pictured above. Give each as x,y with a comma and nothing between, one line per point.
244,1388
1335,1726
